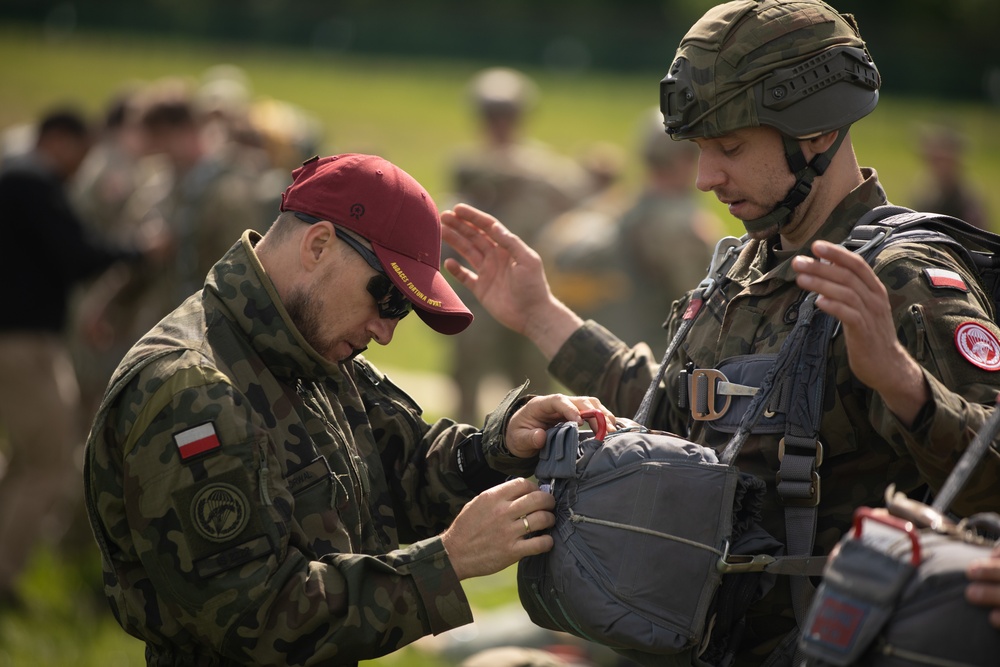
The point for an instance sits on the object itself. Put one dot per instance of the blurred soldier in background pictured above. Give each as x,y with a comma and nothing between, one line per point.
203,192
100,192
945,187
108,176
524,183
289,136
47,250
623,262
209,197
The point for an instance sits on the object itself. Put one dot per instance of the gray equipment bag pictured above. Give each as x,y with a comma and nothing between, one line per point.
658,550
894,595
629,506
899,601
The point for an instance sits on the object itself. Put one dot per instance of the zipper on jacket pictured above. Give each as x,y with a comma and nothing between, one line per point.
263,473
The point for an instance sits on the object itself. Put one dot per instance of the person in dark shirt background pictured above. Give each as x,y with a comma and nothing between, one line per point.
46,252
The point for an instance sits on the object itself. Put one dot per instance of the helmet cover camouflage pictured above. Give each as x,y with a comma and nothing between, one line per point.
796,65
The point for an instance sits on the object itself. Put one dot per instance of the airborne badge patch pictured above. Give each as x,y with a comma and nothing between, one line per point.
220,512
978,345
944,278
197,440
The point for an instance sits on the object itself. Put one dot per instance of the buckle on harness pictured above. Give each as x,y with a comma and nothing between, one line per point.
819,452
704,385
801,491
811,499
757,563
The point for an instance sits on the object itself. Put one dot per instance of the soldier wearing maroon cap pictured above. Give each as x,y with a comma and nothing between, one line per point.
251,477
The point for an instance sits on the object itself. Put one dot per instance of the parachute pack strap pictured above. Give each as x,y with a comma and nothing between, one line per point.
806,566
801,453
802,362
725,254
784,364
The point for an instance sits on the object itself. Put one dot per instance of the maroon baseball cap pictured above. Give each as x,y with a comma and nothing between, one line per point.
383,204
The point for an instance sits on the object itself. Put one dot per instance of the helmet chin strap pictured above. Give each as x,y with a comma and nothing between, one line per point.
804,175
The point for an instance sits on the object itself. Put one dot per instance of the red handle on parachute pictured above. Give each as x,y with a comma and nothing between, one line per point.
602,422
863,513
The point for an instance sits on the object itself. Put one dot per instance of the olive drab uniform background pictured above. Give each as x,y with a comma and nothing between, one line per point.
280,542
525,184
865,447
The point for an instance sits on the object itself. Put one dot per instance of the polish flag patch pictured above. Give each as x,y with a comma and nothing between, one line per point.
945,278
197,440
978,345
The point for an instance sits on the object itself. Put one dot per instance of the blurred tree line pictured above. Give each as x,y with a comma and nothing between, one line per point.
923,47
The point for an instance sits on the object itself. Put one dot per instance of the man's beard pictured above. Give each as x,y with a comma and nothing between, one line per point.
302,307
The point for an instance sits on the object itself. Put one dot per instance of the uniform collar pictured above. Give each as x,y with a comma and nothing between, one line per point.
759,263
240,282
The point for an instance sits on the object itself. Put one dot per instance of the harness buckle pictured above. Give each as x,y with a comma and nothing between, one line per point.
819,452
702,394
733,564
704,385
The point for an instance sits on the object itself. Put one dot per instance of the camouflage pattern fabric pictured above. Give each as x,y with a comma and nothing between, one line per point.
250,498
865,446
738,44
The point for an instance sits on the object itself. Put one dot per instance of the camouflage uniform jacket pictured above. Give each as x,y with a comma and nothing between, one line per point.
865,446
250,497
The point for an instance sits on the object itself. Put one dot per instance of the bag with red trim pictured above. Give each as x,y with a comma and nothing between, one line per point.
894,593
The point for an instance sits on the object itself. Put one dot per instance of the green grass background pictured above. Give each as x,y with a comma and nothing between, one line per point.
415,114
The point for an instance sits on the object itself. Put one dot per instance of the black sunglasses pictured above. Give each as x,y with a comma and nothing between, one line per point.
392,305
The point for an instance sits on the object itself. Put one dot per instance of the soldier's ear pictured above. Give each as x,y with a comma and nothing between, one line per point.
818,144
317,244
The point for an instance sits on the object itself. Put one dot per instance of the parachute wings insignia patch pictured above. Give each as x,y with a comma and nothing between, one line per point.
943,278
197,440
978,345
220,512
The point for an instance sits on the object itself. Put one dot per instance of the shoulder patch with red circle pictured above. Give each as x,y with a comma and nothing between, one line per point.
978,345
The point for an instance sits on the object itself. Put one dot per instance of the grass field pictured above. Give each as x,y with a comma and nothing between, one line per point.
414,114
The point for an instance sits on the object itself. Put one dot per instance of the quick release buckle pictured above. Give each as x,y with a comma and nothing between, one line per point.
704,385
739,563
797,489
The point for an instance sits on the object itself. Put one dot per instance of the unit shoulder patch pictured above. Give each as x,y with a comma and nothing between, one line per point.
219,512
978,345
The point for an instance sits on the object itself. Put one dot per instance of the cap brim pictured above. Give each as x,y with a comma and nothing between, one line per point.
433,298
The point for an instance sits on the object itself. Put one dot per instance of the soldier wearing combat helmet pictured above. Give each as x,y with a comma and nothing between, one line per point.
795,66
767,90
